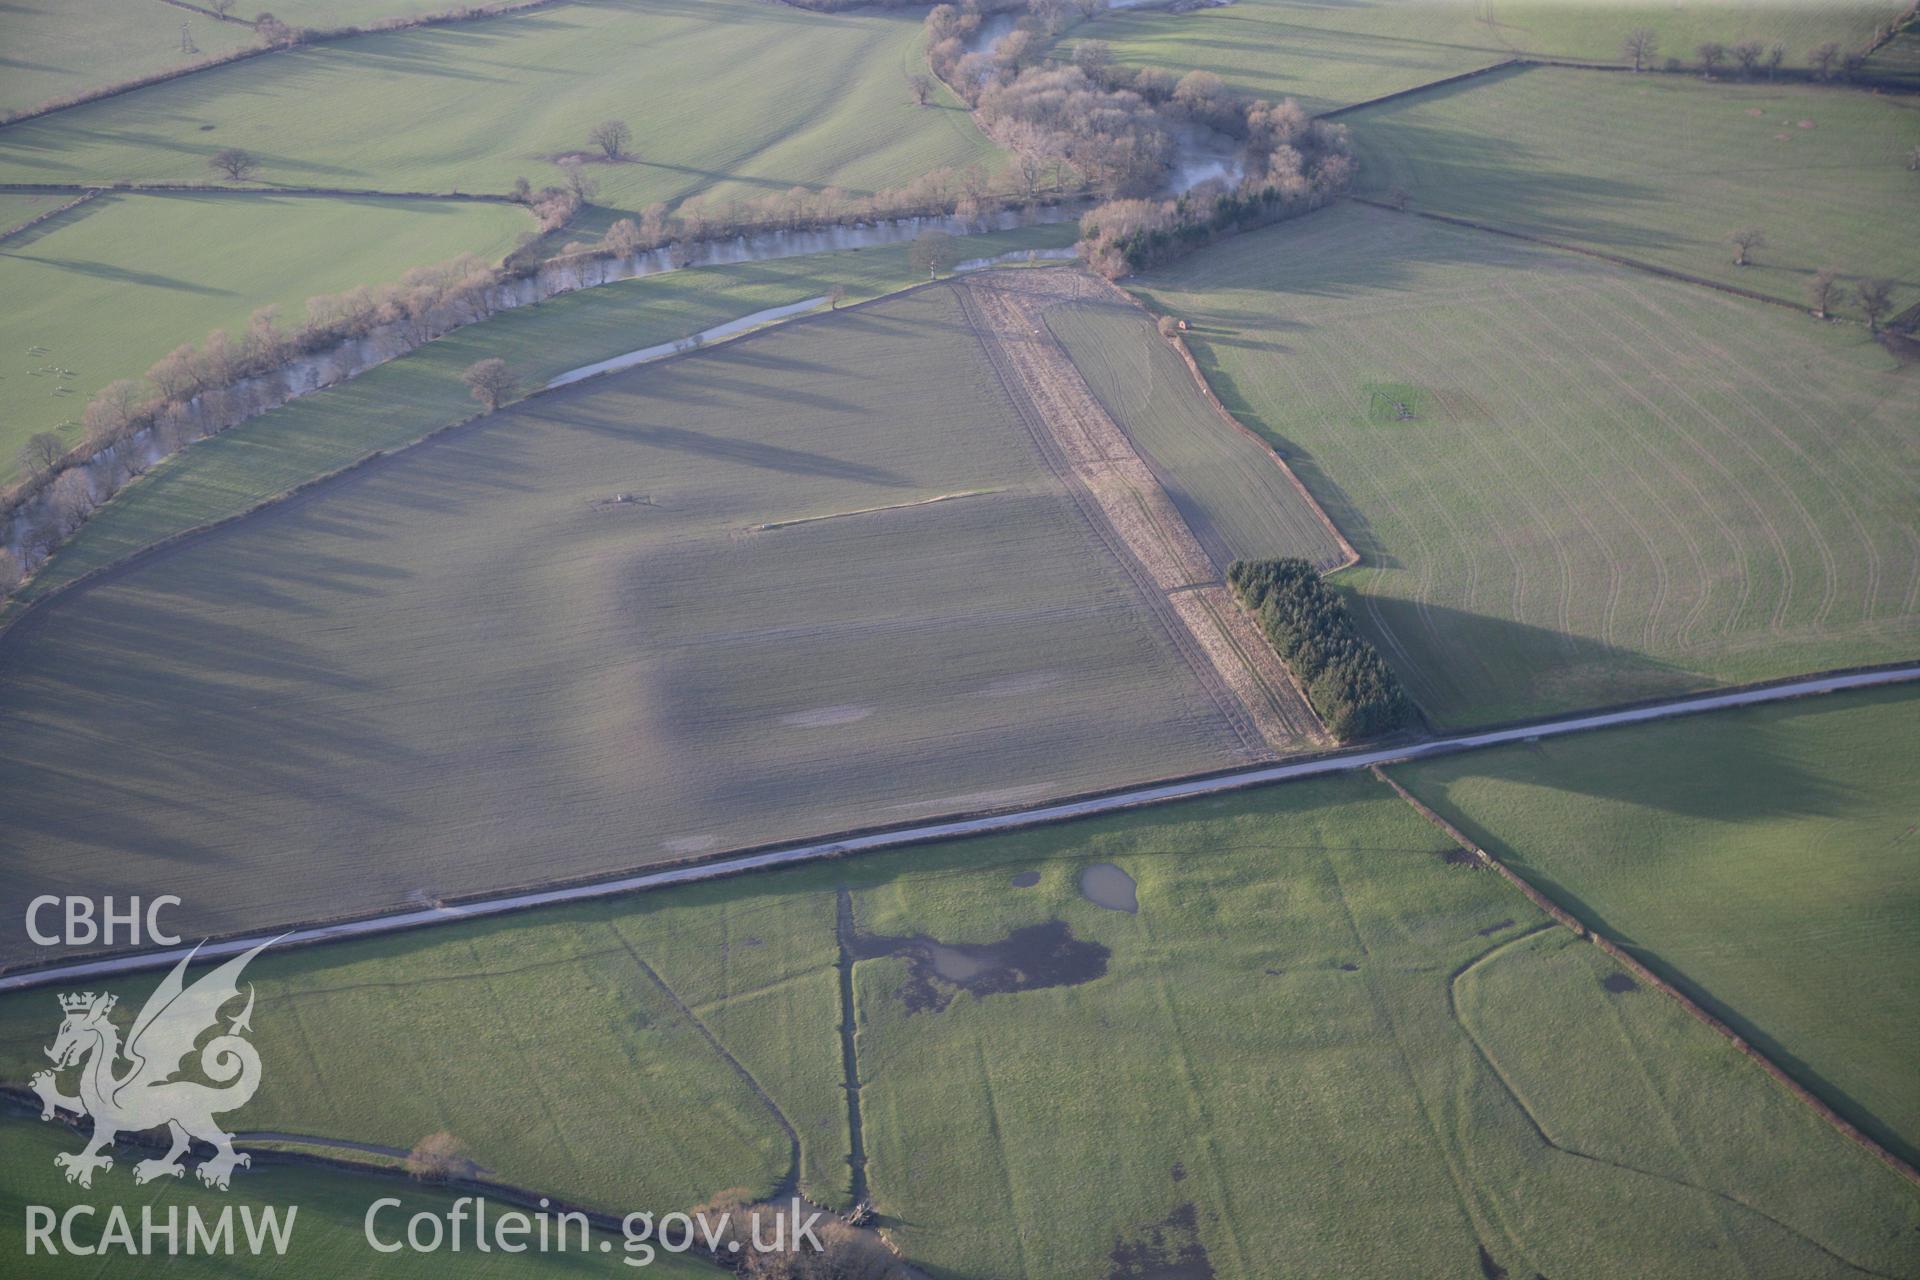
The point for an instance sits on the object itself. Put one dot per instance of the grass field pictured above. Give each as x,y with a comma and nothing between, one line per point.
328,1237
105,290
18,209
810,99
404,399
1225,484
1662,169
1622,487
1293,1068
519,678
1764,860
1342,1056
1335,55
58,47
592,1060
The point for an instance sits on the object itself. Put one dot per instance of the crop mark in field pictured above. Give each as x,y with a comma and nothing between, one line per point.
1520,1102
1123,499
868,511
790,1183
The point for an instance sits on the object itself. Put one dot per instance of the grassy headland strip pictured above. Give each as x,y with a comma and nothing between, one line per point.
1646,975
1349,555
1098,459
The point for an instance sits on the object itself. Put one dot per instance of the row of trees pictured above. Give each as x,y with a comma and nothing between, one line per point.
1827,290
199,390
1346,679
1751,57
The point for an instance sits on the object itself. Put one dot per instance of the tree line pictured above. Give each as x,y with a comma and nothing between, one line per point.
1751,58
1349,684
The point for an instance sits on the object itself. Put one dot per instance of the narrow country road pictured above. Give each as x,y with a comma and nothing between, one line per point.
1159,793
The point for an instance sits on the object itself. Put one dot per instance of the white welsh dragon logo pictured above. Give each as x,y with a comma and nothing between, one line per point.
146,1094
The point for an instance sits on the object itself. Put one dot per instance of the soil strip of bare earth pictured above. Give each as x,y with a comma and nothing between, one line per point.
1122,498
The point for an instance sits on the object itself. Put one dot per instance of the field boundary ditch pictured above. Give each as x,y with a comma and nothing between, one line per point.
307,36
1643,973
21,228
1350,556
223,189
1527,62
1614,259
26,1106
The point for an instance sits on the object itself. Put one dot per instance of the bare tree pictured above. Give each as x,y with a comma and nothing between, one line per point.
1711,54
1875,296
836,296
1640,45
438,1157
11,573
1825,291
41,451
1747,54
623,239
238,165
1093,57
1822,58
71,500
612,137
1088,8
583,188
1744,242
221,8
1852,65
1776,54
931,251
1052,15
920,84
490,381
1400,198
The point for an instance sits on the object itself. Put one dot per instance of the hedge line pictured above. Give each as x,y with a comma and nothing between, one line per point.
1346,679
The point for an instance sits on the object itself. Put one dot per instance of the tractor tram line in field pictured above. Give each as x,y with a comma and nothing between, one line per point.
1122,497
953,828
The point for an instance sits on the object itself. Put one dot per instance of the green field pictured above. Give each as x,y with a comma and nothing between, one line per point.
401,401
60,47
328,1237
520,677
1334,55
18,209
1662,169
1327,1048
1225,484
113,285
580,1053
1624,487
1765,860
808,99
